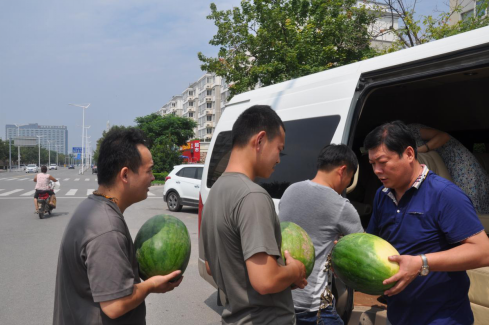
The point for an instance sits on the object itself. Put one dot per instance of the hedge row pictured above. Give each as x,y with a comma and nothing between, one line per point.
160,176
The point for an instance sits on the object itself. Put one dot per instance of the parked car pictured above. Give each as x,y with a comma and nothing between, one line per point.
94,169
71,166
32,168
422,85
182,186
53,166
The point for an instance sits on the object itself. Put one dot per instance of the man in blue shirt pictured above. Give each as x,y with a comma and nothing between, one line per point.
434,227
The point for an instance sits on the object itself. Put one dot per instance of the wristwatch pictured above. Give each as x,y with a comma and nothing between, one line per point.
425,266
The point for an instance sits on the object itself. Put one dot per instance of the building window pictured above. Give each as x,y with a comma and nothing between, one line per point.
209,130
209,118
191,103
191,93
209,105
466,15
209,92
191,115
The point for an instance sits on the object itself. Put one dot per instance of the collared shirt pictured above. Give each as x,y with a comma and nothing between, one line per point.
432,216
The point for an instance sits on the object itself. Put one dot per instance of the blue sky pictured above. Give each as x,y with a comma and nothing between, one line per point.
125,57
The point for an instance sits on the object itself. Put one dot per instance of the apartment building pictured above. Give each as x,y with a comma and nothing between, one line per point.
174,106
54,137
201,101
469,8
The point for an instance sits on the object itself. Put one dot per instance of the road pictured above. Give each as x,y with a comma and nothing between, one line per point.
29,253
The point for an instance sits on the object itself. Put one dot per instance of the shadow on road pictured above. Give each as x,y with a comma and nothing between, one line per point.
212,302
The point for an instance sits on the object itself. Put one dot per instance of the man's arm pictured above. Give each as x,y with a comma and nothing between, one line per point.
267,276
208,269
472,253
157,284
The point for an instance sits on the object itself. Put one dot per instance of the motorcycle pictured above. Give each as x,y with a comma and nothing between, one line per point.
45,204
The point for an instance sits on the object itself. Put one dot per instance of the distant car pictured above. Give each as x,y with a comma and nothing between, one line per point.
23,167
94,169
53,166
182,186
32,168
71,166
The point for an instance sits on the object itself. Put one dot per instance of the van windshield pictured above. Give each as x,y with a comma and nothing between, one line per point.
304,140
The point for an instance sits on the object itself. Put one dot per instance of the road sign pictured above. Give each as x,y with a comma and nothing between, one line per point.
25,141
77,150
79,156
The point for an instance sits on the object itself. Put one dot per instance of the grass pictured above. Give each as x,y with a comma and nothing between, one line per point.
157,183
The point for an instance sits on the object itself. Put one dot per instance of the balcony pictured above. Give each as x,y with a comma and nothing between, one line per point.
209,99
209,124
209,112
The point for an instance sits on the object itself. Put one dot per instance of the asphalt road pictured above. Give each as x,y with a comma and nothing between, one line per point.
29,253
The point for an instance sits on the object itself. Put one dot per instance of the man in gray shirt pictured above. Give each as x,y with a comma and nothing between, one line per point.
317,206
97,280
240,230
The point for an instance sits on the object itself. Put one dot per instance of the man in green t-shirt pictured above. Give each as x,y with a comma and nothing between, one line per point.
240,230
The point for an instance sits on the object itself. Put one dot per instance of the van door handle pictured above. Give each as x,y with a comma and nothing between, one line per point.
196,186
177,182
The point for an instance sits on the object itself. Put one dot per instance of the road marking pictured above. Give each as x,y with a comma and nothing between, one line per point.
87,179
11,192
25,179
66,179
77,179
29,193
71,192
3,178
95,179
56,191
90,191
151,194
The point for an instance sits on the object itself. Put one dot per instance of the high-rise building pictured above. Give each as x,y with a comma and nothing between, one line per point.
57,135
467,9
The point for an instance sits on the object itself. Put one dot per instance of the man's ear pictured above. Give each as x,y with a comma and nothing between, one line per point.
341,170
410,152
123,174
259,139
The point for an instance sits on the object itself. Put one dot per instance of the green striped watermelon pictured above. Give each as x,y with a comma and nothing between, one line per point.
298,243
360,260
162,246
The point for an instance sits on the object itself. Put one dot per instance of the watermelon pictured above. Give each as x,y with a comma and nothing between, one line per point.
162,246
360,260
298,243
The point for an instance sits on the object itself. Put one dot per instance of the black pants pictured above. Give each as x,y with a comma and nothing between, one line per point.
39,192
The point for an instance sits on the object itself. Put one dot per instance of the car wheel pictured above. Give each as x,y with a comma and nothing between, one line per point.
173,202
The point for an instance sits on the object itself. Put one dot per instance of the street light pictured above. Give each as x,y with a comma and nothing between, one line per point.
39,138
18,147
49,155
83,125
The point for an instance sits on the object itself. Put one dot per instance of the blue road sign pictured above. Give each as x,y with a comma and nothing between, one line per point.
77,150
79,156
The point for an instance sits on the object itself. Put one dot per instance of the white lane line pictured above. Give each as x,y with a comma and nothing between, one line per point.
87,179
71,192
151,194
56,191
25,179
29,193
3,178
77,179
66,179
90,191
10,192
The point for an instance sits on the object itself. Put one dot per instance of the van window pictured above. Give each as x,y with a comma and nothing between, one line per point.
304,140
199,173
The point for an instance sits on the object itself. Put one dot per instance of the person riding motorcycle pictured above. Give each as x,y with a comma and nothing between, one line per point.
42,185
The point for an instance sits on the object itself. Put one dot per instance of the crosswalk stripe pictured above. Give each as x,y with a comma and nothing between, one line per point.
25,179
71,192
66,179
151,194
77,179
90,191
3,178
11,192
29,193
87,179
56,191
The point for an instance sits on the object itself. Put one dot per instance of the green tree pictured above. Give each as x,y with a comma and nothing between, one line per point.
269,41
165,155
414,32
157,128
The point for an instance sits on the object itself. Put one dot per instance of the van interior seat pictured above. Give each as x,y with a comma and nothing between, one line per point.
435,163
482,158
478,294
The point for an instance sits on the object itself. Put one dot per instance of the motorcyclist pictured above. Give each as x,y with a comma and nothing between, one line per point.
42,184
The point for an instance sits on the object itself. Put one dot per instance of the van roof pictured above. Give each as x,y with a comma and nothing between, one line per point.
447,45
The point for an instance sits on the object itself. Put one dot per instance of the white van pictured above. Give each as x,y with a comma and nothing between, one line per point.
442,84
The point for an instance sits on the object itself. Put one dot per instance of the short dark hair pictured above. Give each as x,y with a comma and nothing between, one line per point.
119,149
333,156
253,120
396,136
44,169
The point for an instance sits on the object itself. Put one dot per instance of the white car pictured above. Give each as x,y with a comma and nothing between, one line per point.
32,168
53,166
182,186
